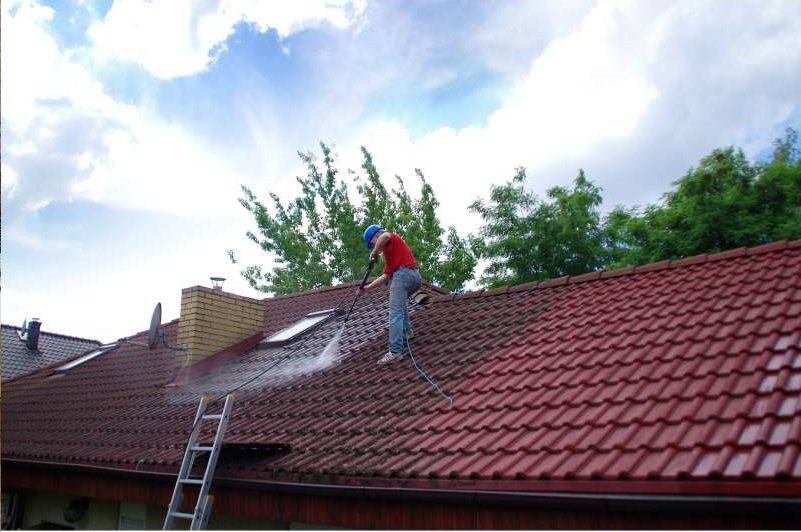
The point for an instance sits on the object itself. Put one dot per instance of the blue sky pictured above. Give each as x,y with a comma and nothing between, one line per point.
128,127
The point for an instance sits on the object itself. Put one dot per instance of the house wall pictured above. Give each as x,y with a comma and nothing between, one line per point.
39,506
218,521
105,515
240,507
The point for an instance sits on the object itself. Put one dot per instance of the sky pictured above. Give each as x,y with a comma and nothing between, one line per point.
129,126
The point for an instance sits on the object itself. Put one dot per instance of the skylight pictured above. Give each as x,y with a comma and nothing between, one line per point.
85,358
308,322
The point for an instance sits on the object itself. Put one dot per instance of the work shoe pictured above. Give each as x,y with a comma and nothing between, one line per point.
390,357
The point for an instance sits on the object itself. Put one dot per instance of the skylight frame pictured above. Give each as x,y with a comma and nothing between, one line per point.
72,364
305,324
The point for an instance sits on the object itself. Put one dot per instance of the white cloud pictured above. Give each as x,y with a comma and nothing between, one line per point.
64,138
635,95
158,166
291,17
31,240
42,73
174,38
37,103
9,179
514,31
580,92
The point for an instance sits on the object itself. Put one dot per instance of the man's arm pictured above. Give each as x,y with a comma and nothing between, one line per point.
383,279
382,241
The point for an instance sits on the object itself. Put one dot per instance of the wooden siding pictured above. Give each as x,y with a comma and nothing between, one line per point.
400,512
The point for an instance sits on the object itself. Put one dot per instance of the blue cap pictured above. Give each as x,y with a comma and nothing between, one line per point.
369,233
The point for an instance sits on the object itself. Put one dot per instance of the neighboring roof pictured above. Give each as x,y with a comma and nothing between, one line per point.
18,359
677,377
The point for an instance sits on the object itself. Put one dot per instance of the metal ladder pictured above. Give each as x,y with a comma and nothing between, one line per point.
200,517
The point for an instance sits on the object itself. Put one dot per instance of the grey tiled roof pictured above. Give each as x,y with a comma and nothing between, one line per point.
19,360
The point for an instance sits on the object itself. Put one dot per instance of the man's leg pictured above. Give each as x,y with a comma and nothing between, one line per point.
412,283
397,308
407,325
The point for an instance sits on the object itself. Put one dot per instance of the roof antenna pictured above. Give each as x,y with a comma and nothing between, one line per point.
155,332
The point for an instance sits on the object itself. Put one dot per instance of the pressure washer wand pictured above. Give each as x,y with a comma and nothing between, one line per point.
364,280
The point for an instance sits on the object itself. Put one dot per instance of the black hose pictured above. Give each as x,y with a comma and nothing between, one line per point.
364,280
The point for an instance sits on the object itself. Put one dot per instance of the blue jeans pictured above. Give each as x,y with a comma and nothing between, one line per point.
404,282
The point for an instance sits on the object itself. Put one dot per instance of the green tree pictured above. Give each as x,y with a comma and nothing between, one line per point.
778,190
524,238
724,203
316,239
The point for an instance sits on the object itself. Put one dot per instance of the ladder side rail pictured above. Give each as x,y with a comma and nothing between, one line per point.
202,522
186,465
212,462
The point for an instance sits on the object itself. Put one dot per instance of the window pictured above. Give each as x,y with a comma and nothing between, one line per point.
132,516
307,323
85,358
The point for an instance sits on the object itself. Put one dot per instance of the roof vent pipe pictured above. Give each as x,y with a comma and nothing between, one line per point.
32,336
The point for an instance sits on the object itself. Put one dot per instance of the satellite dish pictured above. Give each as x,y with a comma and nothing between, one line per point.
155,323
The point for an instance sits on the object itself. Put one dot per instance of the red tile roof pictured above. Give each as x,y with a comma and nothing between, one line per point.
677,377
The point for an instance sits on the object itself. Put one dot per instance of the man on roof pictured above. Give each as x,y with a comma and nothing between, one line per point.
400,271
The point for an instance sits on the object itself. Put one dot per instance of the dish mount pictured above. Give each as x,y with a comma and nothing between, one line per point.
156,333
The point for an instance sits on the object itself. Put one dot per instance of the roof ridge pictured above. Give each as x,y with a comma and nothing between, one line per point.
66,336
145,331
701,258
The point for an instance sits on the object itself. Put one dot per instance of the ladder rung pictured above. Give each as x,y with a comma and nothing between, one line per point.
212,416
182,515
191,481
202,448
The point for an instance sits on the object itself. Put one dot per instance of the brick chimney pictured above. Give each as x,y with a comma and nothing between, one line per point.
212,320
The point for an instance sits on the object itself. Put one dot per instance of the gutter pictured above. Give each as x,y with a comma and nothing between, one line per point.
781,506
556,500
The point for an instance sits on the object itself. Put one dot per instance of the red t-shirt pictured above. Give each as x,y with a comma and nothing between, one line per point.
397,254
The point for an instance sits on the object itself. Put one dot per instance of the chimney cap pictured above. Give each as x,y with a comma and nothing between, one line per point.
217,282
